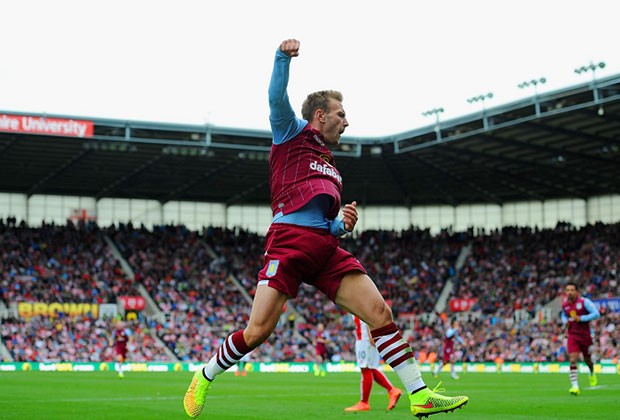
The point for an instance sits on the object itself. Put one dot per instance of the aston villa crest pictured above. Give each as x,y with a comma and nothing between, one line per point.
272,268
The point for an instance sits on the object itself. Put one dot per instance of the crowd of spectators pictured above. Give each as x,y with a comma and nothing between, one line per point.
77,338
202,284
68,263
525,268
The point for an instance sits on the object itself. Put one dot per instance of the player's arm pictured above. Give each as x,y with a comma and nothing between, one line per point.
284,124
346,224
593,312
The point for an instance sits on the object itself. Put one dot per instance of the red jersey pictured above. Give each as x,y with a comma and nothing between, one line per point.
448,343
120,341
576,308
321,348
301,169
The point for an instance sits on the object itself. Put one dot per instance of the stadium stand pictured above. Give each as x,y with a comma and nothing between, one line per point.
202,283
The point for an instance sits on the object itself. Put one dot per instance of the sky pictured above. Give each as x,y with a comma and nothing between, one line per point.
209,62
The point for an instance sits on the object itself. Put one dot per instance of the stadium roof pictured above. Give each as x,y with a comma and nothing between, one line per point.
561,144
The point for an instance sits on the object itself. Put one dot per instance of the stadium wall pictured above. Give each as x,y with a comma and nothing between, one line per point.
196,215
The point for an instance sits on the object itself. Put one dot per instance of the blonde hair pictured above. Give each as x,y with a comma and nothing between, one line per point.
318,100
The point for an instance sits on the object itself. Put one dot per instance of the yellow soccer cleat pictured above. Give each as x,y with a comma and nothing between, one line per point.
194,399
593,380
574,391
427,402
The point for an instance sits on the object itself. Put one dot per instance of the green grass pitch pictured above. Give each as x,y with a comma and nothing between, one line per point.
101,395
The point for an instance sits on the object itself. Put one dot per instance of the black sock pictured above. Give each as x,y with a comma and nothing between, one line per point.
419,389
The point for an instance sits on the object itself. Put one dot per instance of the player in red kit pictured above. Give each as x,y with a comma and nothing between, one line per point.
120,340
302,243
452,335
368,360
577,312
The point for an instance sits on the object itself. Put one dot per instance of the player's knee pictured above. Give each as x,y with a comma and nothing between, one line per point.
385,313
381,316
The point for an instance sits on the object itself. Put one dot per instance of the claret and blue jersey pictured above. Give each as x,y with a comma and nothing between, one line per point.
286,126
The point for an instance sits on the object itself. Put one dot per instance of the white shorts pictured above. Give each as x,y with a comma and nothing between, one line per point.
367,355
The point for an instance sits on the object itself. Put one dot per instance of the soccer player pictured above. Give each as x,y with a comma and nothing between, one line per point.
368,361
120,340
302,242
452,334
577,312
320,346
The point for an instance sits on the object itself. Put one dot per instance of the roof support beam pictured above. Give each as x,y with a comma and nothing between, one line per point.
70,162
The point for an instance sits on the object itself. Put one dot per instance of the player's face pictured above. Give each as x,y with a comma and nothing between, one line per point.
571,293
335,123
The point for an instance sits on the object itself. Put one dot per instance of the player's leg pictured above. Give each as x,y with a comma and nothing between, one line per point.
453,367
587,359
574,349
366,384
438,367
323,362
266,310
394,393
119,365
373,362
359,295
573,358
365,388
319,364
361,356
380,378
240,368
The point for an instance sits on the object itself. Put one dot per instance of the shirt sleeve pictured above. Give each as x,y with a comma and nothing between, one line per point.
337,228
593,312
450,332
284,124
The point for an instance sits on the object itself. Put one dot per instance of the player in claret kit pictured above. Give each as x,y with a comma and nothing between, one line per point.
451,335
320,347
302,243
120,340
577,312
